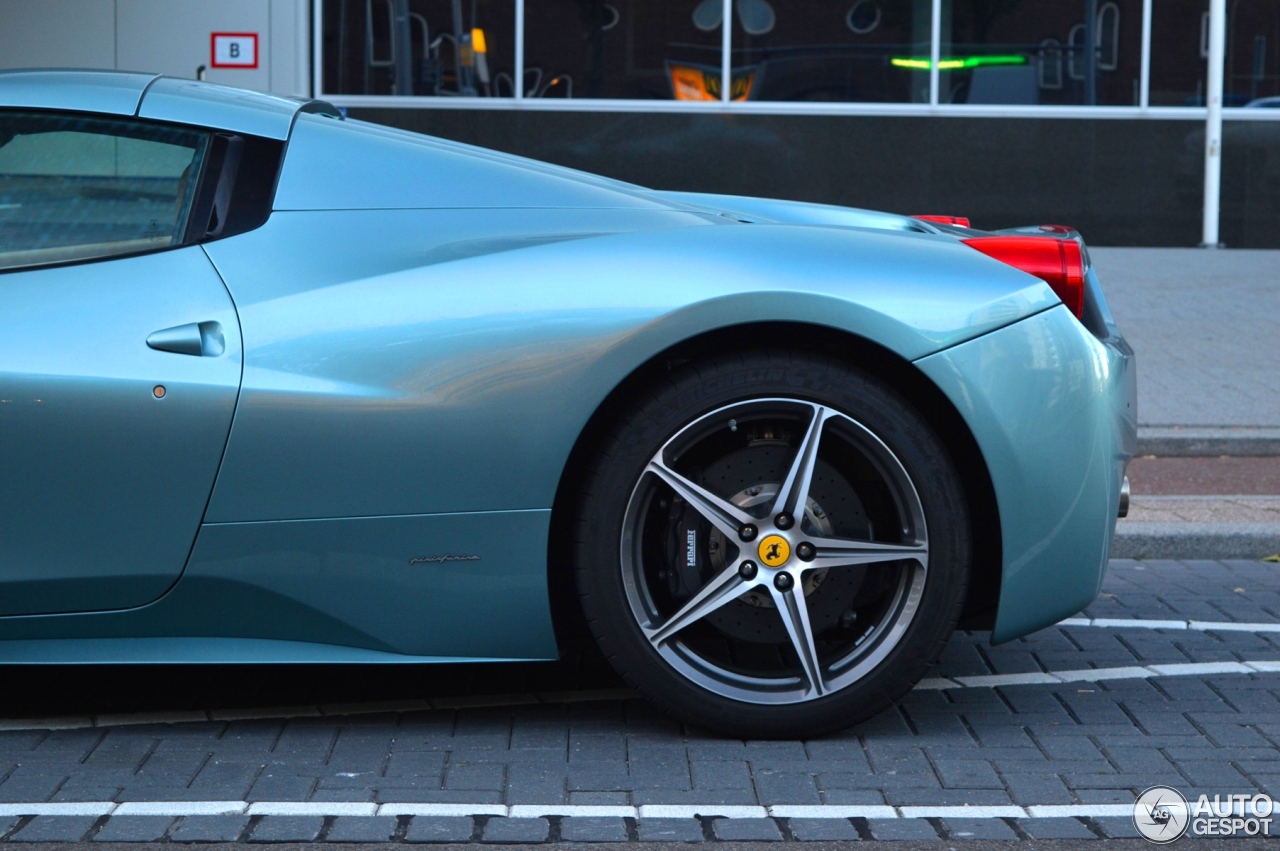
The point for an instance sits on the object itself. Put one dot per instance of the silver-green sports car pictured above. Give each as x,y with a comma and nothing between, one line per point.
277,386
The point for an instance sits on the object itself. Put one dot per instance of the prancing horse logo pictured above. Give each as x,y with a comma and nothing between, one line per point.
774,550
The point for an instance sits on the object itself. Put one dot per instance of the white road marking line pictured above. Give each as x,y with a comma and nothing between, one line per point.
1120,623
1094,675
360,809
935,684
1231,626
832,811
1080,810
180,808
312,808
1132,672
992,680
1186,669
1007,811
571,810
443,810
691,810
1142,623
88,808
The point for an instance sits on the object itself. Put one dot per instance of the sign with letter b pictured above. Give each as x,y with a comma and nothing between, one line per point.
234,50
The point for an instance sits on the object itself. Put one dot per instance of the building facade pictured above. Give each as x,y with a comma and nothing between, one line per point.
1083,112
1002,110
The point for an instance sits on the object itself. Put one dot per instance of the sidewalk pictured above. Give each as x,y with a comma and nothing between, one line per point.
1204,326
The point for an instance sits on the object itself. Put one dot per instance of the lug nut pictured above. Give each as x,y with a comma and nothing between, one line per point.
747,570
748,532
805,551
783,582
784,521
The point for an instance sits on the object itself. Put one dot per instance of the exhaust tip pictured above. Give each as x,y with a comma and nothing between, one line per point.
1124,498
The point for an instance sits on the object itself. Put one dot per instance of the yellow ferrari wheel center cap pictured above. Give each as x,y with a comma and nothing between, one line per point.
774,550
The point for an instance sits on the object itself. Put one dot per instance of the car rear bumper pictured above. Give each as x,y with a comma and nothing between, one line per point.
1053,409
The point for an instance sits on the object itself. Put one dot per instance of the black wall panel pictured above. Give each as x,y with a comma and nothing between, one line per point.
1120,182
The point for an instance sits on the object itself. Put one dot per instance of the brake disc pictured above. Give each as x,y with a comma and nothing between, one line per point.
753,476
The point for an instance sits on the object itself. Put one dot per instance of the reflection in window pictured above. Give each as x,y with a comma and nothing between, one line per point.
857,50
994,51
1109,37
860,50
991,52
1179,47
1049,63
73,188
419,47
1075,53
864,16
654,49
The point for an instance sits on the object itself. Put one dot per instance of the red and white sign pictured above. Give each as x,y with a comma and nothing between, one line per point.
233,50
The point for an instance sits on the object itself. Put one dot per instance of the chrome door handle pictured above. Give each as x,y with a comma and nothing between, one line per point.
202,339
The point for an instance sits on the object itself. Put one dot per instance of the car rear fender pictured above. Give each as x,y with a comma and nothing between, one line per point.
502,358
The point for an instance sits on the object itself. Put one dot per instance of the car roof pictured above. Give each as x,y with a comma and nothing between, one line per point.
109,92
150,96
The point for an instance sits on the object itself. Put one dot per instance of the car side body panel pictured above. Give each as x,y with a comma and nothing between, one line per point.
1053,411
208,105
105,483
799,212
417,588
351,165
463,385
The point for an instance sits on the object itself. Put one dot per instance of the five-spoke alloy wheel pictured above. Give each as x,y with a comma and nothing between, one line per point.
773,545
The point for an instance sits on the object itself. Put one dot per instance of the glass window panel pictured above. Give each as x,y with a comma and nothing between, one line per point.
782,49
993,51
449,48
1179,50
654,49
73,188
854,50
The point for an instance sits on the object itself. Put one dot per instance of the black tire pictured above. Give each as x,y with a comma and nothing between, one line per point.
777,656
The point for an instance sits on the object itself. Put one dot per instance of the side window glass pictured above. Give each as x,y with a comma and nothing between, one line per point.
76,188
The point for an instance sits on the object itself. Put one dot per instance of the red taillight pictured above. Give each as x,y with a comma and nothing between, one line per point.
962,221
1058,262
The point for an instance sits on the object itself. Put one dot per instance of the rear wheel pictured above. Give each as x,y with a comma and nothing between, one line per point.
772,545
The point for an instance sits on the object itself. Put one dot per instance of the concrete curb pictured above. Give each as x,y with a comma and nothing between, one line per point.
1180,541
1205,441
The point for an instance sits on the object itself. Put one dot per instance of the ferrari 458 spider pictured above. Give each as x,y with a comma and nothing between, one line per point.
277,386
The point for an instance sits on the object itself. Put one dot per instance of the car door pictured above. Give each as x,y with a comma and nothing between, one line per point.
120,361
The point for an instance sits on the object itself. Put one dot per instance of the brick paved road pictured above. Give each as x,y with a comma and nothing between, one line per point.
1082,742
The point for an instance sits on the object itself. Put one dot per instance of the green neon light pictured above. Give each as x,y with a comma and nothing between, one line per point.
957,64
